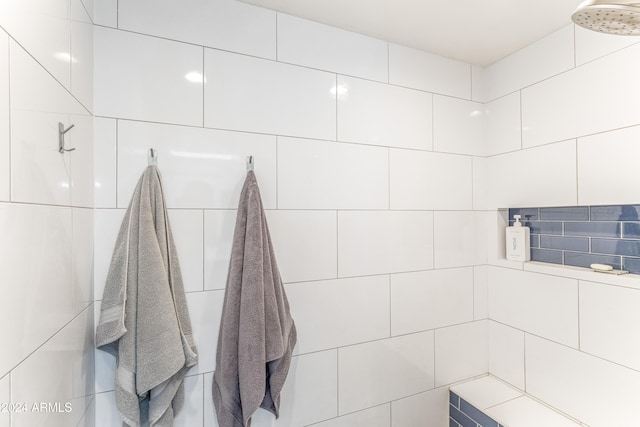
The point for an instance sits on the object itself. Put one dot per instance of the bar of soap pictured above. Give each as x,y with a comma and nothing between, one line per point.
601,267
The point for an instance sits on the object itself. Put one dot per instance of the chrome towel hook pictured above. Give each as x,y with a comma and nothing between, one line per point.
249,163
152,157
61,132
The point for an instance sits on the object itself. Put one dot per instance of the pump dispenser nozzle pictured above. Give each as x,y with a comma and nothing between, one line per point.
517,223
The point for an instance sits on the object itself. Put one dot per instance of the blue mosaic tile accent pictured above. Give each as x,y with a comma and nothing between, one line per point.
454,399
467,415
583,235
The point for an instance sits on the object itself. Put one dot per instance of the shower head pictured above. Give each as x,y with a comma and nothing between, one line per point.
609,16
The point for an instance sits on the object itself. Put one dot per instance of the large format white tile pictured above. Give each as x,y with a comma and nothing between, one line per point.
39,173
421,180
509,183
187,227
431,299
219,226
606,167
43,28
81,55
608,315
543,59
305,244
503,128
309,394
106,226
82,261
104,363
485,392
526,412
57,372
458,126
506,354
479,183
592,390
480,292
330,175
324,312
5,397
5,142
581,102
458,239
104,162
205,311
192,412
35,277
105,13
320,46
591,45
461,352
380,114
209,410
478,89
107,414
428,409
224,24
200,168
381,371
426,71
257,95
378,416
540,304
384,242
147,78
81,160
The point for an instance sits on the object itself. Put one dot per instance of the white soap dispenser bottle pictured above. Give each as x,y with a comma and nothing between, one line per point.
518,238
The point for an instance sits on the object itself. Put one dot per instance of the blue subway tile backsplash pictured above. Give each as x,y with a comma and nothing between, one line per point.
462,413
583,235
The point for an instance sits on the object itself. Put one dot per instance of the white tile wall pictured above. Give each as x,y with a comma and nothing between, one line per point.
105,13
485,392
509,175
428,409
104,162
219,227
205,310
431,299
543,305
82,261
5,396
478,90
106,226
458,126
378,114
543,59
379,242
506,354
81,55
608,315
329,175
457,239
606,167
420,180
597,392
36,277
461,352
200,168
320,46
592,45
583,102
305,244
526,412
123,88
403,366
322,309
106,413
378,416
192,412
81,159
5,143
479,183
187,227
258,95
480,292
503,125
43,28
224,24
425,71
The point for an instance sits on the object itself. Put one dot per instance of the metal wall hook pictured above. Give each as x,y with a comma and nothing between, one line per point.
152,157
249,163
61,132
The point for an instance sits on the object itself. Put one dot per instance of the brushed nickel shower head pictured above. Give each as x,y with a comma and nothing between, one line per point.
609,16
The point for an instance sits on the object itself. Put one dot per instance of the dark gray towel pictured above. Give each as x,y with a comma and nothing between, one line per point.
257,333
144,320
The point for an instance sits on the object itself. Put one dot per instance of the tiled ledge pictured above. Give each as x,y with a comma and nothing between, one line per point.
488,402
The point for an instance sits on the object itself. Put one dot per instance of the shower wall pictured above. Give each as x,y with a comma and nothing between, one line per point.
46,216
369,156
568,337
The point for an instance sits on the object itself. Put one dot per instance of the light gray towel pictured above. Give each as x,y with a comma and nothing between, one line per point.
144,321
257,333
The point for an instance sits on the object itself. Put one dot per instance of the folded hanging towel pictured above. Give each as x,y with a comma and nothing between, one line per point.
257,333
144,320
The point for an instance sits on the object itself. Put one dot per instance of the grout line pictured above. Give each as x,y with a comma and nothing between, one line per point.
10,116
521,122
337,104
204,248
118,14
